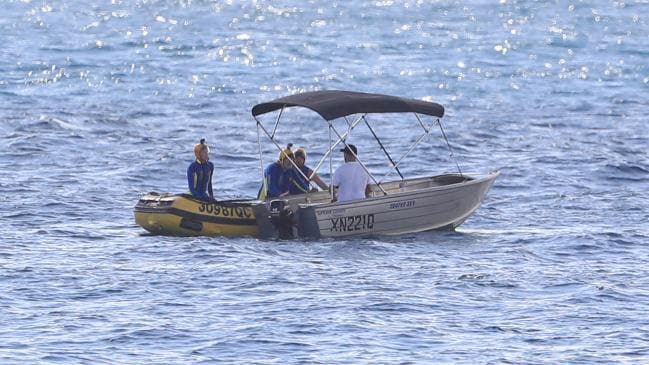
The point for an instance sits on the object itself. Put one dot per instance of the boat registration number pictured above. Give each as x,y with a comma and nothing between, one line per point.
353,223
219,210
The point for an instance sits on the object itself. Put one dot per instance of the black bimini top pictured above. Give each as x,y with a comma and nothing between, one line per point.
332,104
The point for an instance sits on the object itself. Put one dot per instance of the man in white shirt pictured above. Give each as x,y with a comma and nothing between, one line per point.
350,180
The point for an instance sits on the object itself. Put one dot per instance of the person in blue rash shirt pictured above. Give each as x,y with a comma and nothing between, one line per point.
300,184
199,173
277,176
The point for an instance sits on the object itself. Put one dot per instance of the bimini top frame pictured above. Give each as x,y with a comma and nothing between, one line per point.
334,104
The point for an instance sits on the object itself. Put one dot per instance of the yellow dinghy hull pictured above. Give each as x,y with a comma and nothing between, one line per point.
182,215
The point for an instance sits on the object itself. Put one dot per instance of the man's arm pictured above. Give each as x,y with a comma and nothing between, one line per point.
319,181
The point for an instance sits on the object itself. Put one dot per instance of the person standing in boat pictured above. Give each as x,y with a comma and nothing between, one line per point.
300,184
199,173
277,176
351,181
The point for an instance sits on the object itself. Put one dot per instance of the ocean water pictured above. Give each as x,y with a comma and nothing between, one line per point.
102,101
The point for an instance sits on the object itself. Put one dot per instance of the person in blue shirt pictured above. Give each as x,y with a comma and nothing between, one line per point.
199,173
277,176
300,184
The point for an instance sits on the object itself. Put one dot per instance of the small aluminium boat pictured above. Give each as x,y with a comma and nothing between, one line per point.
403,205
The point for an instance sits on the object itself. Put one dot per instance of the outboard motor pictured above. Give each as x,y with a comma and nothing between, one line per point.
282,218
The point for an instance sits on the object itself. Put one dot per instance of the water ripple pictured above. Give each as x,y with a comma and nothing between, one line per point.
103,102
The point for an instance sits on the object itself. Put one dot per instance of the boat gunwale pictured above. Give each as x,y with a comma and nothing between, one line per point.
479,178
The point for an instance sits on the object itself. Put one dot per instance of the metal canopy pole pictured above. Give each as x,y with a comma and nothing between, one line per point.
261,162
277,122
331,147
340,139
331,174
269,136
383,148
426,133
259,125
421,123
449,146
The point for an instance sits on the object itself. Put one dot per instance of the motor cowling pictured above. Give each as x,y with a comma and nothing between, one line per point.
282,217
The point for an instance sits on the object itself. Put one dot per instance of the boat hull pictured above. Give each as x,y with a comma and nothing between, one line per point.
439,202
445,206
182,215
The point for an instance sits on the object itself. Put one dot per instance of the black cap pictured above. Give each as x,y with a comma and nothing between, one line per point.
348,147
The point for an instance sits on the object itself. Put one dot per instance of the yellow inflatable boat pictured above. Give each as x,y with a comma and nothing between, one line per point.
182,215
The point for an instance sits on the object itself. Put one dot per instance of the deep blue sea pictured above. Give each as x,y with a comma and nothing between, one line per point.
102,101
